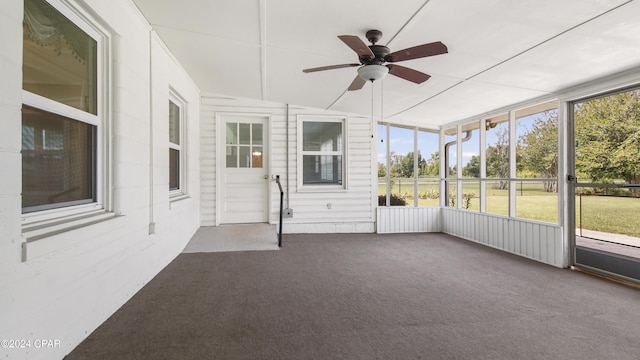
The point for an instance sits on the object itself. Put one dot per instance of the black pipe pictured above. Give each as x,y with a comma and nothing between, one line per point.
281,202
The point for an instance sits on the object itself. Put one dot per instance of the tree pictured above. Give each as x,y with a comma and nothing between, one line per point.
498,157
472,169
395,168
431,166
382,170
538,149
607,136
406,164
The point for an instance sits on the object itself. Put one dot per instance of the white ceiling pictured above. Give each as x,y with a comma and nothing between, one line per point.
501,52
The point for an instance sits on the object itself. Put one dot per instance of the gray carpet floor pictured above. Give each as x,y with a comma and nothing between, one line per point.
364,296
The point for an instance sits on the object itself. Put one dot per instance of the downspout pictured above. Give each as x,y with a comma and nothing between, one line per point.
286,156
152,224
467,137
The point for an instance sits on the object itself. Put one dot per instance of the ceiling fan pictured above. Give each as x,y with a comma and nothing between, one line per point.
374,58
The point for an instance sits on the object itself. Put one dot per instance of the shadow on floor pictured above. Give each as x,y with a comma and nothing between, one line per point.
244,237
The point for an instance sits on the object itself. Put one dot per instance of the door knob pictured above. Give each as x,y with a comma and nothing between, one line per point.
265,177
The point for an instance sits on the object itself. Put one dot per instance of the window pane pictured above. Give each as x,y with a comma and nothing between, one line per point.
401,151
59,59
256,134
537,200
245,156
174,123
174,169
402,190
470,195
428,168
537,157
537,150
256,157
244,134
429,159
471,151
232,156
497,197
428,193
232,133
322,169
451,196
382,163
58,160
498,151
322,136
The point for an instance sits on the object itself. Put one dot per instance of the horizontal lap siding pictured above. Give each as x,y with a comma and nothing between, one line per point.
340,211
207,165
538,241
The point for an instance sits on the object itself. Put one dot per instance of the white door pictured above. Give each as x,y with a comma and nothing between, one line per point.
244,179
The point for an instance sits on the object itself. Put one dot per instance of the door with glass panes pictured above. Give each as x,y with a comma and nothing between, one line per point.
606,183
244,180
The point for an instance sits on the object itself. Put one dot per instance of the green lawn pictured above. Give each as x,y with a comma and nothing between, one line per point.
600,213
611,214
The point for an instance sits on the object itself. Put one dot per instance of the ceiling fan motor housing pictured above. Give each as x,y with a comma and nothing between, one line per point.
380,51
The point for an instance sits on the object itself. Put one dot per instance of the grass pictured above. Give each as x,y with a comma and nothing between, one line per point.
610,214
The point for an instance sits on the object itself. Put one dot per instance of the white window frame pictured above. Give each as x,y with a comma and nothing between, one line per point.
101,120
322,187
181,148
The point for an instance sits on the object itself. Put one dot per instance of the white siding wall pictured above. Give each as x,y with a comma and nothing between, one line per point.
535,240
349,211
71,282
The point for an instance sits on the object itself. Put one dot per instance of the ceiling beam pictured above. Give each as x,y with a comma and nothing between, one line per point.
263,48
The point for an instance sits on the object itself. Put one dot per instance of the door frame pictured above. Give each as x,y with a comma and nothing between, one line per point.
602,262
220,149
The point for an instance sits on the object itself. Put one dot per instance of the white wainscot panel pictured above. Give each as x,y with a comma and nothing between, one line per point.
531,239
400,219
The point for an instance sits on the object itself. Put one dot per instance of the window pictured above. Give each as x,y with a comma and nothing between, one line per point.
537,164
428,168
61,122
497,164
413,177
322,153
470,143
176,141
401,151
244,145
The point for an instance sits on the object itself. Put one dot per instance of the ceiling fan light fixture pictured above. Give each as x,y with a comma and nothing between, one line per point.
373,72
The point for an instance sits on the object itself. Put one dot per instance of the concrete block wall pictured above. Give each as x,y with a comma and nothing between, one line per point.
70,282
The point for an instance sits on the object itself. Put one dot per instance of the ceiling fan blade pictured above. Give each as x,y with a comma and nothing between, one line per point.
330,67
357,83
357,45
408,74
416,52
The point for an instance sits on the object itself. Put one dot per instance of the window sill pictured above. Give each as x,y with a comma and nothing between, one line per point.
36,232
177,200
322,189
